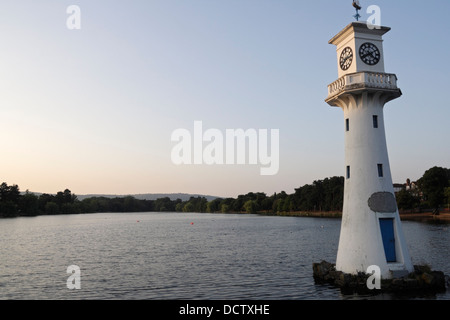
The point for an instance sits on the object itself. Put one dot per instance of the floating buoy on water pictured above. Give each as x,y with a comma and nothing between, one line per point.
192,223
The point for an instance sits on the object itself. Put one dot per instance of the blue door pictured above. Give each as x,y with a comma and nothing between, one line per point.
387,233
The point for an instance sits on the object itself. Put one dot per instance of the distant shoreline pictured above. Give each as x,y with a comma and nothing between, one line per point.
443,216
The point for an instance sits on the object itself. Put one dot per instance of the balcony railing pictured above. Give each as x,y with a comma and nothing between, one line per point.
363,80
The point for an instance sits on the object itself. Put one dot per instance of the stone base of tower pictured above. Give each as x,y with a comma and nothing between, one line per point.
421,280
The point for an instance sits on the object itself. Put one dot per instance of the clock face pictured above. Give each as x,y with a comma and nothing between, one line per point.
346,58
369,54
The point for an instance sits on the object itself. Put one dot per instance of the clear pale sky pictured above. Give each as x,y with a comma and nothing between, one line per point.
93,109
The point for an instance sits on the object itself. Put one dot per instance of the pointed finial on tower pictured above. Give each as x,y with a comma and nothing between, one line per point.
358,7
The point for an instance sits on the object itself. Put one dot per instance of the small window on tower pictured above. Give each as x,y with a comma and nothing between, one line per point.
380,170
348,172
347,124
375,122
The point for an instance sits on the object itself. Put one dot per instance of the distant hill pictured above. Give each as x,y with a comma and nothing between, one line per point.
150,196
143,196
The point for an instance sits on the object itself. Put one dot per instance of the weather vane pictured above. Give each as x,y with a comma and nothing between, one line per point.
357,7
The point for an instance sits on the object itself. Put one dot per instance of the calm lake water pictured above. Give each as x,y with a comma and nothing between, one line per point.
185,256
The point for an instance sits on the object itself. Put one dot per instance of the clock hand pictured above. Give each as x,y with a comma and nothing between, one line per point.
345,60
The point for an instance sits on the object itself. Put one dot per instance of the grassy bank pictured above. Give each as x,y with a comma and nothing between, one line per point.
428,216
323,214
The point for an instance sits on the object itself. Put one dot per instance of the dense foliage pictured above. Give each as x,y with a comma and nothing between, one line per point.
433,190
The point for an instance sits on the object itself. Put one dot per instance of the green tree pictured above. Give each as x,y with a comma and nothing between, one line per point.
406,200
267,204
288,204
8,209
179,207
238,204
433,184
67,208
224,208
447,195
69,197
164,205
251,206
199,204
9,200
29,204
42,202
188,207
213,206
334,193
9,193
89,205
4,189
129,204
51,208
65,196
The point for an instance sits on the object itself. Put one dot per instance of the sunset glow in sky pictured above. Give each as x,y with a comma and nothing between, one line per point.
93,109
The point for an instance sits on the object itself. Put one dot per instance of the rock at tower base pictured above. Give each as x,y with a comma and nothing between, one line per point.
423,279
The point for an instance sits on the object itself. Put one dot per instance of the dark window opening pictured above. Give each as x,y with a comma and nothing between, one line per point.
348,172
375,122
347,124
380,170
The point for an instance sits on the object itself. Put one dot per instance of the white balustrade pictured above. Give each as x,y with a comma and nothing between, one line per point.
363,80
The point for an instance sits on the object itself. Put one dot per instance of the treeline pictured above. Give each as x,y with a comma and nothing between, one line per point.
13,203
323,195
430,191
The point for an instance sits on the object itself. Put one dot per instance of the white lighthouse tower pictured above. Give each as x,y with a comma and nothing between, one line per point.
371,232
